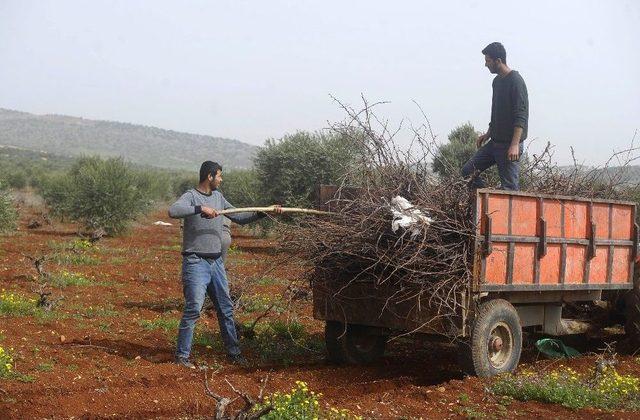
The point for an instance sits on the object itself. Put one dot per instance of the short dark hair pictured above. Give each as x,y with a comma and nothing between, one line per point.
496,50
209,168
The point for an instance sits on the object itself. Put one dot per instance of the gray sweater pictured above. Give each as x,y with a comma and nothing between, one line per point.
202,236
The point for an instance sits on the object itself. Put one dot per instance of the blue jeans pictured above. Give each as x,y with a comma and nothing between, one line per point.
202,277
492,153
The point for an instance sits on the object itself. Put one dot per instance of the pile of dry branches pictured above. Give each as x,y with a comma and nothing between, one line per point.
436,264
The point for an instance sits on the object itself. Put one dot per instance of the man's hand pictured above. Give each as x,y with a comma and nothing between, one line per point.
513,154
482,139
208,212
277,208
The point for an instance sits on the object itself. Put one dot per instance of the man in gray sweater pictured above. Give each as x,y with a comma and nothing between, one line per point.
203,271
509,123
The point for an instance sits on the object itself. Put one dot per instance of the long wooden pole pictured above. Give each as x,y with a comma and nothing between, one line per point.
272,209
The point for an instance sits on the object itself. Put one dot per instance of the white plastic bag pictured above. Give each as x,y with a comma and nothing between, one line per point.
406,216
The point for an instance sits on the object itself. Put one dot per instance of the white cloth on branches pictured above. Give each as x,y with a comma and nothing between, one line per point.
406,216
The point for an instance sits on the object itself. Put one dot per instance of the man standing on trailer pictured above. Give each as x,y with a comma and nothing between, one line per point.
501,145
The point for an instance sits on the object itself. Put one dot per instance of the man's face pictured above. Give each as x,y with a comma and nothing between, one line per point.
216,180
491,64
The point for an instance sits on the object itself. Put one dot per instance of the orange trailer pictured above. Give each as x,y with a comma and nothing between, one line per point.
533,253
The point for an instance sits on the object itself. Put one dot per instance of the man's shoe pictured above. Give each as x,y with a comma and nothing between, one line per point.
238,360
183,361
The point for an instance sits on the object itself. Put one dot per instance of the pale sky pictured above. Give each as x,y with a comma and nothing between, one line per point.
253,70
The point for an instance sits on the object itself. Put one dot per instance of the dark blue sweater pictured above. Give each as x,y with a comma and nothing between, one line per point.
509,107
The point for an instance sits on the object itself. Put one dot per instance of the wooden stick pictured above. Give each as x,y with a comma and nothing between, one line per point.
272,209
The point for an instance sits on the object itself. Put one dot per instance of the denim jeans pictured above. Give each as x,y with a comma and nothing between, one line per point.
492,153
202,277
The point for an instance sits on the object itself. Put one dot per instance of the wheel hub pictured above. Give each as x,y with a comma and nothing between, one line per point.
496,343
500,345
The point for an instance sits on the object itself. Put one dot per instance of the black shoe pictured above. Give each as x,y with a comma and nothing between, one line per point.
238,360
183,361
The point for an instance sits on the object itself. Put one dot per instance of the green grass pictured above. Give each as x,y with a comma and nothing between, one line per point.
607,390
234,250
266,281
65,279
117,260
164,324
260,303
281,343
45,366
7,367
209,339
24,378
44,316
177,247
74,259
291,329
74,245
12,304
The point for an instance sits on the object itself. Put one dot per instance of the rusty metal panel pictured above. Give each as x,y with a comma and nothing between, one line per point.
621,269
550,265
622,226
553,216
496,264
600,217
575,220
523,211
576,257
554,241
524,263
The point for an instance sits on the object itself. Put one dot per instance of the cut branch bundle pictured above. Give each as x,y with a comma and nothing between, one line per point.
436,265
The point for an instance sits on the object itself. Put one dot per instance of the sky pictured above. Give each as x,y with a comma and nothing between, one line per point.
253,70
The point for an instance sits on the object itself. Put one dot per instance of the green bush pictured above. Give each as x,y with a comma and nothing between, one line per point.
16,179
98,193
241,187
184,183
8,213
290,169
451,156
156,185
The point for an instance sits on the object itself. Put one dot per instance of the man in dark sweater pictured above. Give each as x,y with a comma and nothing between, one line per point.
501,145
203,271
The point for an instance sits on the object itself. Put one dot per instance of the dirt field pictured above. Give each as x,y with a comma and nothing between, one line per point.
106,350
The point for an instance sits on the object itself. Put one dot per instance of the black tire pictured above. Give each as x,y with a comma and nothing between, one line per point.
632,317
496,340
354,345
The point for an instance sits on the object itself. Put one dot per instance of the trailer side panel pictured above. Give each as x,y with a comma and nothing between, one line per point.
541,242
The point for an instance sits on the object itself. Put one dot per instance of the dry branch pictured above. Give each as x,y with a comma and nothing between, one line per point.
433,268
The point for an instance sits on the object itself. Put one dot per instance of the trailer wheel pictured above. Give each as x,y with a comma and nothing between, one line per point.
496,339
632,315
355,345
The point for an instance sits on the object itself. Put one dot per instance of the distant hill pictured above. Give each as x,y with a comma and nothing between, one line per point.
72,136
629,175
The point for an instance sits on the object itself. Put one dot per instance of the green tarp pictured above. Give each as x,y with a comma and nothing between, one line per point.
555,349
